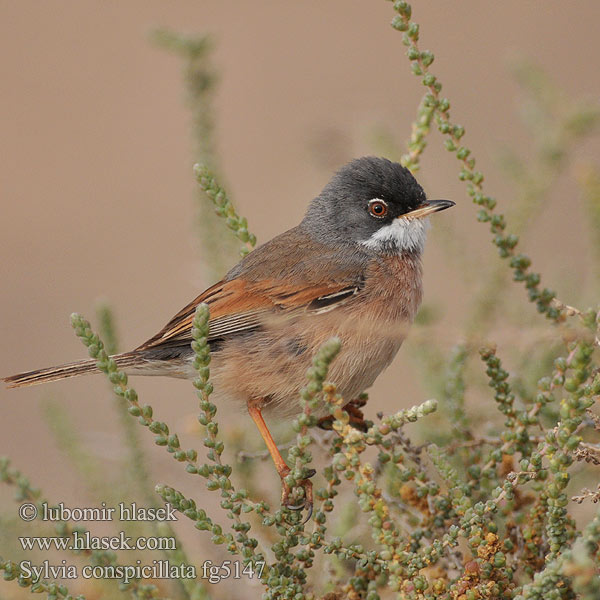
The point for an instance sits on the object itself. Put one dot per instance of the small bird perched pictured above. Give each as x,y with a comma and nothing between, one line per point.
351,269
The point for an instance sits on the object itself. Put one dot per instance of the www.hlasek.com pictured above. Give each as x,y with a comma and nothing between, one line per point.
159,569
86,541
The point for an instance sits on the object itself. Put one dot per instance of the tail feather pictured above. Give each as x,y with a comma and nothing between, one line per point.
73,369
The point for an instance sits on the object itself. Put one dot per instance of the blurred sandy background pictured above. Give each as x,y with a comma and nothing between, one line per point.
97,188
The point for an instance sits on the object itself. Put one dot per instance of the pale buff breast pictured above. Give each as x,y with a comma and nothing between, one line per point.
272,363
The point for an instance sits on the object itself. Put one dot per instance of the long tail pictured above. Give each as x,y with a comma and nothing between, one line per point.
73,369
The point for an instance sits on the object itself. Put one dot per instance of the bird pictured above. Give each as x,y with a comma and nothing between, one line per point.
351,269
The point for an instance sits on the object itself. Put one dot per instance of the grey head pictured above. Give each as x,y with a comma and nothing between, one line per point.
375,203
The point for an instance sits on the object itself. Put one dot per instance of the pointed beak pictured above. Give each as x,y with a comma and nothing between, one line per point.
428,207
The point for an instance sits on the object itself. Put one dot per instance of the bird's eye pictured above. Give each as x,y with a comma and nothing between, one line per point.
378,208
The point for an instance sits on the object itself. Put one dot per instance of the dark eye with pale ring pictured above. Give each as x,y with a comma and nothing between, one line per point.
378,208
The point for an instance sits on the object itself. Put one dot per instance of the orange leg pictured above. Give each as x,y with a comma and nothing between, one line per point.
280,464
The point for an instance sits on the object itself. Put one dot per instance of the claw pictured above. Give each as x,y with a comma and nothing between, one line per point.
296,506
308,496
308,506
309,514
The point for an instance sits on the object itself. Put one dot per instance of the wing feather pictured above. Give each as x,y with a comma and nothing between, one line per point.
239,305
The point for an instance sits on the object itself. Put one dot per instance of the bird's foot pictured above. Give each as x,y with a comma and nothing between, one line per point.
307,500
357,418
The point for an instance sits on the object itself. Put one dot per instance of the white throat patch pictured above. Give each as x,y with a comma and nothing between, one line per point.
401,235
